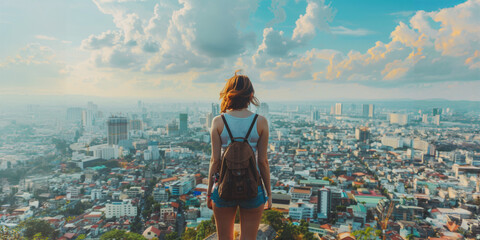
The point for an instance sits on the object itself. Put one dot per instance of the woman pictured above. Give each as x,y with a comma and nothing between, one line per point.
236,96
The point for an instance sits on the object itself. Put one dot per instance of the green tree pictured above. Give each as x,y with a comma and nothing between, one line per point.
7,233
273,218
121,234
136,225
81,237
287,232
39,236
31,227
172,236
189,234
365,234
204,229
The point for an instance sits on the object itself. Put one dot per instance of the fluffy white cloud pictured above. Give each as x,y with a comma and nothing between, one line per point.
276,47
316,17
433,47
172,36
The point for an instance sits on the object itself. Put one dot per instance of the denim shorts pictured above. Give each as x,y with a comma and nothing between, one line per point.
248,203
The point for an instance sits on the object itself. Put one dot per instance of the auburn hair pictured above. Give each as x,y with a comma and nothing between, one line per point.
238,93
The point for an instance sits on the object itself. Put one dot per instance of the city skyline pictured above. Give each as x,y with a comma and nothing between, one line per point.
169,50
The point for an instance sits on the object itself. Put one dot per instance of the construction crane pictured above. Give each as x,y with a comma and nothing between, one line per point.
384,219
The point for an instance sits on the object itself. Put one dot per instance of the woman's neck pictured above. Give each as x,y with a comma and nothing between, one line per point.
244,112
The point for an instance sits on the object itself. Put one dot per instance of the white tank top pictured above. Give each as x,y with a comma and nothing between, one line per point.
239,128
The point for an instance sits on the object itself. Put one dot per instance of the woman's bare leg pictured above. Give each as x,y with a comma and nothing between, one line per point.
249,222
225,220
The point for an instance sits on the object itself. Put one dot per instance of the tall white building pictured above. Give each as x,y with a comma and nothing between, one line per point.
301,210
88,118
105,151
338,109
120,209
371,111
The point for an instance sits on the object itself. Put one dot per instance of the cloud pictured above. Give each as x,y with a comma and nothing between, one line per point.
341,30
172,36
433,47
275,45
34,68
276,8
105,39
316,17
43,37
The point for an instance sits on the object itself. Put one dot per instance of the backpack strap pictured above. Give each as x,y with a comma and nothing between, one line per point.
228,128
251,126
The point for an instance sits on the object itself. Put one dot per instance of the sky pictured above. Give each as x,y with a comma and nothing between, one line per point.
290,49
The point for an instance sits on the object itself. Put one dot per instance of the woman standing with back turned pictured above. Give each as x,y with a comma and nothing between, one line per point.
233,124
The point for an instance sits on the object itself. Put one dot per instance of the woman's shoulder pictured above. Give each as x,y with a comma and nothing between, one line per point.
261,119
217,121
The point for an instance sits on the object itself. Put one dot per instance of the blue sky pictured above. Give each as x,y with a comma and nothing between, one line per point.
291,49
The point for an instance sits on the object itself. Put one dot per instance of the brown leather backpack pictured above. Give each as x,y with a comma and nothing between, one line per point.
239,178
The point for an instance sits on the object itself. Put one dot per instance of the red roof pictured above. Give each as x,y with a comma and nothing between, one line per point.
153,229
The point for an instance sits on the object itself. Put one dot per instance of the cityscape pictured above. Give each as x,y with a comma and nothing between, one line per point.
372,109
338,169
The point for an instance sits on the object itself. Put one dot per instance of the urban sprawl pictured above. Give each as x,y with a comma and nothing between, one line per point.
390,170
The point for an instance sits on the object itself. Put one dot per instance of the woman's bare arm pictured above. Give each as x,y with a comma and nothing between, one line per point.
262,146
216,151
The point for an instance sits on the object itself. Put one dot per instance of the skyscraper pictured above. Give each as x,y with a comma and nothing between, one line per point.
324,203
88,118
362,134
338,109
117,129
436,111
368,110
215,109
183,122
209,119
365,109
314,115
371,111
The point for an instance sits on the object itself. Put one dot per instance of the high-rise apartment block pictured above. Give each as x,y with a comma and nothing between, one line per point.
183,122
362,134
338,109
368,110
117,129
120,209
324,203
